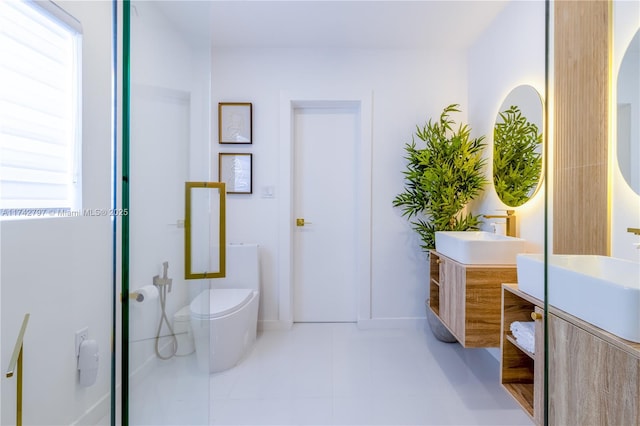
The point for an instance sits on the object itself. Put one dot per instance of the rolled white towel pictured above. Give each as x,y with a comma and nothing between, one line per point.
527,327
524,333
527,343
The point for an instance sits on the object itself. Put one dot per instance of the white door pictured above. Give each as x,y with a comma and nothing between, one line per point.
324,259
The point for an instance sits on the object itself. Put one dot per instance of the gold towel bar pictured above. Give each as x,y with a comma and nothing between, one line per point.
16,362
18,347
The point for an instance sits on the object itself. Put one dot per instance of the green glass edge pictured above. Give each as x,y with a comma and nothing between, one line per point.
126,110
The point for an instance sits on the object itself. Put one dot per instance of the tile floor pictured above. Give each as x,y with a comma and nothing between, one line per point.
333,374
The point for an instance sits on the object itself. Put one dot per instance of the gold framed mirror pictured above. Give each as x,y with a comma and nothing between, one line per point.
204,230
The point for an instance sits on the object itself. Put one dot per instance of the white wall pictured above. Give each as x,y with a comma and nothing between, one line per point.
59,269
511,52
625,203
408,88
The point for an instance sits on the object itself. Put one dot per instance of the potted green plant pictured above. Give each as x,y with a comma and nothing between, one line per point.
441,178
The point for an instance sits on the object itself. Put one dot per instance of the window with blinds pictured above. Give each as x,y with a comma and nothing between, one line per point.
40,122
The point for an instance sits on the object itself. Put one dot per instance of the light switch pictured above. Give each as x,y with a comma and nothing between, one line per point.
268,191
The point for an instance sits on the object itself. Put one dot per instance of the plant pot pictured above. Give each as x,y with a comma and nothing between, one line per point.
437,328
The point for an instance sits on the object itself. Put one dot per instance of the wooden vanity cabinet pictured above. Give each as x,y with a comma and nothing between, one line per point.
594,376
466,298
522,372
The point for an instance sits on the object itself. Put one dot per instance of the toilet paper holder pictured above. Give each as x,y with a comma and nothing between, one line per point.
138,297
144,294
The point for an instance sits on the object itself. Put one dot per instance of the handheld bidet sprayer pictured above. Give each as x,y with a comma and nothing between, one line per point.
165,280
165,275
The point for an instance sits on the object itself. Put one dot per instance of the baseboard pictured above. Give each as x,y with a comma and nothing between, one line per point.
276,325
391,323
381,323
96,412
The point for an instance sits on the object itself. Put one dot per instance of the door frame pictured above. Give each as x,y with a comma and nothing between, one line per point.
363,101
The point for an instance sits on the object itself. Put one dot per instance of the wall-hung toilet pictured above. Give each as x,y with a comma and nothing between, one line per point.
224,318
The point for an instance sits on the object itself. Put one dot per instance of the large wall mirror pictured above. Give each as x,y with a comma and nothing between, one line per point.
517,146
204,230
628,113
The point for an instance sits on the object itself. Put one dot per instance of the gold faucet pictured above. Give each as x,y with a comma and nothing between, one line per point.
511,221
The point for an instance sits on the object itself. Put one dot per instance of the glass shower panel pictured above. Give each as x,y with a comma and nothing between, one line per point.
168,106
592,270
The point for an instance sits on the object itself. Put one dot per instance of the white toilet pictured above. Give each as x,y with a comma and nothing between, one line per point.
224,318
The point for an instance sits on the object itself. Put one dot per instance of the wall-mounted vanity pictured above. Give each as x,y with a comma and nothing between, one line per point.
466,298
593,375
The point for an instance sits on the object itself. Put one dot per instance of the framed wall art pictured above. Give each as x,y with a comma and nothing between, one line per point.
234,122
236,170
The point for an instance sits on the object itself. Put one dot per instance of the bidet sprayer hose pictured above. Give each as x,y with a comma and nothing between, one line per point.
162,290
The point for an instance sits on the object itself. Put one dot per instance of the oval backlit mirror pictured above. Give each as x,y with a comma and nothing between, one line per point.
517,146
629,115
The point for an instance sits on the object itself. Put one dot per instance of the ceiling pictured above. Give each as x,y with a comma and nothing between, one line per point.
428,24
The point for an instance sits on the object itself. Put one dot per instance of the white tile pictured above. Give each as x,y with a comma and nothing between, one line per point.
221,384
323,374
246,412
311,411
353,411
412,410
351,379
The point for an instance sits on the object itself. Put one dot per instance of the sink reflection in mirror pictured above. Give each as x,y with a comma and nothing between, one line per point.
479,247
604,291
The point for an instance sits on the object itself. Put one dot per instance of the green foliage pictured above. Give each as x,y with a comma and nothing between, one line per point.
442,178
517,157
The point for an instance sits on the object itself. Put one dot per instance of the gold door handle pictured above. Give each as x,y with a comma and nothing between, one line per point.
536,316
301,222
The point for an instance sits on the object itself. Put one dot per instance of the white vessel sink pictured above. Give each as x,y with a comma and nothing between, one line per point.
601,290
479,247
